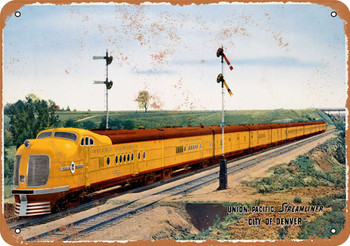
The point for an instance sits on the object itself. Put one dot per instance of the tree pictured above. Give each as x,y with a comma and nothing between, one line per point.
116,124
143,100
8,138
72,123
8,168
30,116
88,124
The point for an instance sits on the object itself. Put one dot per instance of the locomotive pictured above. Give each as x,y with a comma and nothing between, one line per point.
64,164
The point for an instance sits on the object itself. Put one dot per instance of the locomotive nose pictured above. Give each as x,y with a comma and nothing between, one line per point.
34,167
32,164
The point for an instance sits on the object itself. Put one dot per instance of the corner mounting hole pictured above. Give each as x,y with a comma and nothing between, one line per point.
333,14
18,14
333,230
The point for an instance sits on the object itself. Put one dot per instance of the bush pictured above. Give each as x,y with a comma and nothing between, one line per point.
279,171
335,201
322,226
88,124
282,232
341,195
297,199
72,123
117,124
338,205
322,201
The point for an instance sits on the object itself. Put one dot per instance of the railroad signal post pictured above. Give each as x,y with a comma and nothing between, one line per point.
108,83
220,79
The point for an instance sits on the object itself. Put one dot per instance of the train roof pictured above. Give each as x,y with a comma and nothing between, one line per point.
141,134
124,136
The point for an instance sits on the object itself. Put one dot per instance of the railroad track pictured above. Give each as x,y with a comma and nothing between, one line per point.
74,230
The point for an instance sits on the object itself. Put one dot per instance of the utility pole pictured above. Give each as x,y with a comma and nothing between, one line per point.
108,83
220,79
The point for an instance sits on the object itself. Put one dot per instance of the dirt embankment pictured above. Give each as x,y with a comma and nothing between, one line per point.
161,222
314,180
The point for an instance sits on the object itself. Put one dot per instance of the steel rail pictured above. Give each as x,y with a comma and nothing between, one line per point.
115,214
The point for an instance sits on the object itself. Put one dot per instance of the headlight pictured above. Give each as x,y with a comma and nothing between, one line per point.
27,143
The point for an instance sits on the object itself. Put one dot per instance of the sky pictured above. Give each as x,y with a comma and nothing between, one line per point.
290,56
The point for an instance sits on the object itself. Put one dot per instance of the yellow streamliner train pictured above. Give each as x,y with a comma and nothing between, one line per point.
63,164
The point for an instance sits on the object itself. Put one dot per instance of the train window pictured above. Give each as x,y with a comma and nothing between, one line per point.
132,157
200,146
108,160
91,141
116,159
44,135
120,158
179,149
128,157
139,155
82,141
144,155
210,144
184,148
86,141
66,135
124,159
